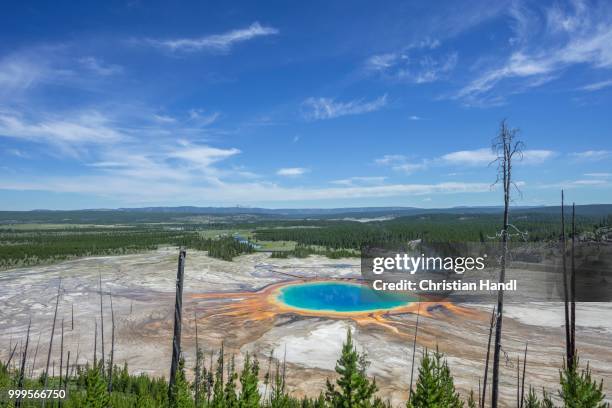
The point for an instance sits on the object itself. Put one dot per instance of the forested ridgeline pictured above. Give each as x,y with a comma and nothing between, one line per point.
435,227
217,382
331,238
31,247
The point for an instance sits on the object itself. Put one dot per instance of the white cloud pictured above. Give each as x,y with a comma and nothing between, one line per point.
164,119
85,127
599,175
327,108
217,42
18,73
389,159
469,157
596,86
592,155
360,180
99,67
199,118
140,190
409,168
537,156
571,36
291,171
401,163
201,156
405,66
485,156
415,117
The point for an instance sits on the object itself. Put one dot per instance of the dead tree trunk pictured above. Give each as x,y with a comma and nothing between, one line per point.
23,364
35,354
59,286
61,355
198,370
95,356
486,371
523,382
518,381
568,340
506,148
67,369
112,352
102,362
176,339
573,289
416,330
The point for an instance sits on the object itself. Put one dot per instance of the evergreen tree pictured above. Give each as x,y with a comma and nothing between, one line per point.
353,389
218,399
546,400
278,397
231,399
181,394
199,383
434,387
579,389
471,402
249,382
96,395
532,400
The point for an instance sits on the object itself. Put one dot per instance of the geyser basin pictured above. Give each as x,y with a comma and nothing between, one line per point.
340,297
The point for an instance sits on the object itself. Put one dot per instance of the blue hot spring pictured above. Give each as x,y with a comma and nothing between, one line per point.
340,297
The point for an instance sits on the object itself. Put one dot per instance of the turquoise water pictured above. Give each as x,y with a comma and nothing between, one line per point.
339,297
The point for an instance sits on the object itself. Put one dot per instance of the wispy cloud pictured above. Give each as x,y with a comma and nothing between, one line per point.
469,157
593,155
572,35
360,180
484,156
88,127
292,171
401,163
216,42
599,175
99,67
411,66
140,191
18,73
596,86
201,118
328,108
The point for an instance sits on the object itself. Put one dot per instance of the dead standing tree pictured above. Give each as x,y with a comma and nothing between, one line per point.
101,326
23,365
505,147
176,340
59,287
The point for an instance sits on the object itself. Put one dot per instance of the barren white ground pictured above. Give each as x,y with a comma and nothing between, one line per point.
142,286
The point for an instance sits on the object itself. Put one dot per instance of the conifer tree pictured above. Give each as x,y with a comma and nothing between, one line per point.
579,389
249,383
434,387
278,397
352,388
181,393
96,395
471,402
199,383
532,400
218,400
231,399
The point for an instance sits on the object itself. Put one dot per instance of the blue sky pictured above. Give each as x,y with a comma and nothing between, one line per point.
309,104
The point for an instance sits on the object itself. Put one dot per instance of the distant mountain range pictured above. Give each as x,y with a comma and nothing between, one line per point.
163,214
